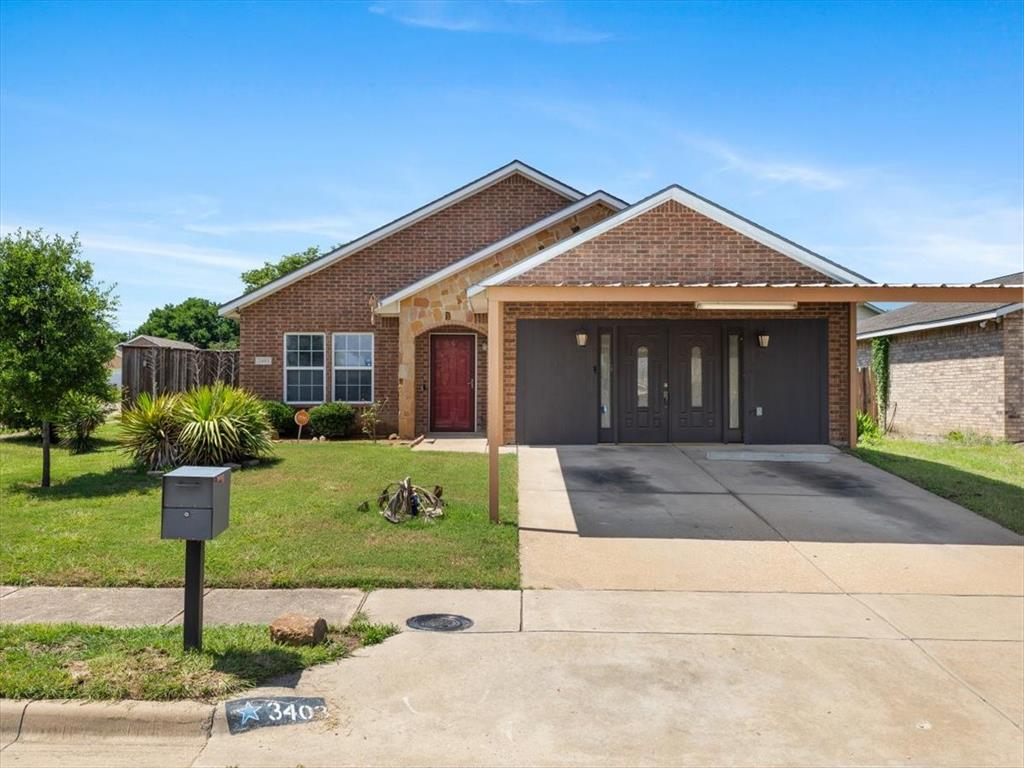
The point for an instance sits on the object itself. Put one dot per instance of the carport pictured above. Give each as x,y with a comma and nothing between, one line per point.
574,388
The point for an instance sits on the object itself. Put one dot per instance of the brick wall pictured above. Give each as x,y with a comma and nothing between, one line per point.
947,379
666,244
1013,375
340,296
837,316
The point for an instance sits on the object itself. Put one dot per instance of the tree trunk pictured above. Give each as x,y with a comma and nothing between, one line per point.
46,454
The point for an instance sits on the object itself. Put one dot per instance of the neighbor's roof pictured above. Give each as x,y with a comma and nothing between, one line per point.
156,341
389,305
697,203
923,316
515,167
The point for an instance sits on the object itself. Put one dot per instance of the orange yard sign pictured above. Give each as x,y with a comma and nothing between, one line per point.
302,419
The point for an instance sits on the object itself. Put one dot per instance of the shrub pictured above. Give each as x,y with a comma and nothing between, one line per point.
333,419
220,423
280,416
78,416
369,419
867,429
150,431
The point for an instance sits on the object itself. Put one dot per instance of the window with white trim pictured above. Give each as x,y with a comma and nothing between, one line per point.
304,369
353,367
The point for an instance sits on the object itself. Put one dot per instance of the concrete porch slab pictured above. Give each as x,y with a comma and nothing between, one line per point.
805,615
490,610
115,606
952,617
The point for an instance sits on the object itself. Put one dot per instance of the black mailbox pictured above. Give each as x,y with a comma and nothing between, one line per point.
195,503
195,508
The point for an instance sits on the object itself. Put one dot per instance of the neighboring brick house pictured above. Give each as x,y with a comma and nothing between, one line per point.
669,320
953,366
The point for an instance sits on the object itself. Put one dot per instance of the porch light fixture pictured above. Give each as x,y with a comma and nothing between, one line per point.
763,339
581,338
751,305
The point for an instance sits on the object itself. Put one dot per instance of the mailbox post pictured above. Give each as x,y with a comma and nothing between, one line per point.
195,508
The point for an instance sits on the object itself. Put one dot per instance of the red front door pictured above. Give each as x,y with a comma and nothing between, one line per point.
452,383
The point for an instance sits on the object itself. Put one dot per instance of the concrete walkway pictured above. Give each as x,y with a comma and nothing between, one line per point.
634,678
673,517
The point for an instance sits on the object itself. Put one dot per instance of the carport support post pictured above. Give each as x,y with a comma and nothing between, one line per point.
851,375
495,409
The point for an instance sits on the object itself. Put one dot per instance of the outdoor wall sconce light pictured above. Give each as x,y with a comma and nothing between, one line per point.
581,338
762,340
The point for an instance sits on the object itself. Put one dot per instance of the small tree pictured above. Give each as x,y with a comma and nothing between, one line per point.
55,328
271,270
370,418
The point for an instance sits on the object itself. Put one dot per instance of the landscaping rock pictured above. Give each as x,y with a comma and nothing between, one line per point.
393,436
296,629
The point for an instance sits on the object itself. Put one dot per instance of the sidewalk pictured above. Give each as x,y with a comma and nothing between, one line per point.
594,678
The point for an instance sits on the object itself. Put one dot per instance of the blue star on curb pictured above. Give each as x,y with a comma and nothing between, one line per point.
249,712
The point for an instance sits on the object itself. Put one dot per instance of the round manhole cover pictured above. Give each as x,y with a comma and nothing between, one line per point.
439,622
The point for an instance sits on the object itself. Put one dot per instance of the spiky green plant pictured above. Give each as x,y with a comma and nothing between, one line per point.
77,417
150,431
221,423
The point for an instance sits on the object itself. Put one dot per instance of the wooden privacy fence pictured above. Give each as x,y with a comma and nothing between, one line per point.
158,369
864,382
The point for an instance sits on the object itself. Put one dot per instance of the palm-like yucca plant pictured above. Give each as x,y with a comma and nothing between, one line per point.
150,430
220,423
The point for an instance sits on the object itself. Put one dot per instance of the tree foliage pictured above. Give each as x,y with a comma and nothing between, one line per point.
880,369
55,327
271,270
194,320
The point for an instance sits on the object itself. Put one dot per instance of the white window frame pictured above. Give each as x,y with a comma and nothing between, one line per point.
373,367
285,367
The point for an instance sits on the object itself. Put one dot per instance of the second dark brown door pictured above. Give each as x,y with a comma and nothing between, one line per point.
452,383
695,366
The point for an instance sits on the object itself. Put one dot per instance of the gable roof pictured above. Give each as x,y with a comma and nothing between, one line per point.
389,305
697,203
142,340
231,308
923,316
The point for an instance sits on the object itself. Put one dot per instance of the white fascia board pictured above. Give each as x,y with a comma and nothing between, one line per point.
962,320
694,202
230,309
390,305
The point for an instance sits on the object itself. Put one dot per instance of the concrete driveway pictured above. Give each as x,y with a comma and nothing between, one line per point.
737,518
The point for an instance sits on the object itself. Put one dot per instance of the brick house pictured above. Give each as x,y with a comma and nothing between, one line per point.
953,366
554,316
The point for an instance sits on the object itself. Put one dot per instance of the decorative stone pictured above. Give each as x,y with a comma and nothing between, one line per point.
296,629
393,436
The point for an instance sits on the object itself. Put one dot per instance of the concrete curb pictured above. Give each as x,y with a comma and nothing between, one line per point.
119,721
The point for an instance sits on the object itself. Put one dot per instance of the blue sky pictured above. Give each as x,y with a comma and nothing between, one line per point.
186,142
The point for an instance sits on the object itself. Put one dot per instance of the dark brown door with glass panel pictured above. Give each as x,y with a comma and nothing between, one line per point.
695,394
642,379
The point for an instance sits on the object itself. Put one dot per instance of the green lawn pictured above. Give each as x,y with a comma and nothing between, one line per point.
294,521
71,661
985,478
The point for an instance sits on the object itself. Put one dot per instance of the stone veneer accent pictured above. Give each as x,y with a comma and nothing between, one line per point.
837,315
340,296
445,304
960,377
670,243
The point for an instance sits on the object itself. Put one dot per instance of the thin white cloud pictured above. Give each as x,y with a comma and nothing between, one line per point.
333,227
208,257
530,20
774,171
